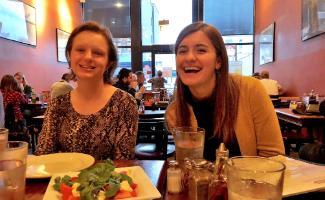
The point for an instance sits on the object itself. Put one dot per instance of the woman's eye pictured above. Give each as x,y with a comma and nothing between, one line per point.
80,50
98,53
181,51
201,50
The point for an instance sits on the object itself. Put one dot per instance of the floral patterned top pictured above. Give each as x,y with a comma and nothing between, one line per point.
16,99
108,134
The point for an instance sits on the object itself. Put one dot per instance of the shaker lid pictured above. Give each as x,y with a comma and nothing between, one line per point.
199,163
172,163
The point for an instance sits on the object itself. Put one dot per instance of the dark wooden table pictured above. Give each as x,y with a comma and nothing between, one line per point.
315,124
155,169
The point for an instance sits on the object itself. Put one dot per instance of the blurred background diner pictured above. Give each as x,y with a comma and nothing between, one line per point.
63,86
22,82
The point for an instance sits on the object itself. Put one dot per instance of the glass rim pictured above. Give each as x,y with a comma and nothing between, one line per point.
188,128
25,144
3,130
282,168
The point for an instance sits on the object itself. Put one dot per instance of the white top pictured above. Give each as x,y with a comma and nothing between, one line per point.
60,88
272,87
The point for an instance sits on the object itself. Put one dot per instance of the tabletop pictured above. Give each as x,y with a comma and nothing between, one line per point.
152,114
155,169
286,114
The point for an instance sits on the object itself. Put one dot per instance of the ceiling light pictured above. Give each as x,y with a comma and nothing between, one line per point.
119,5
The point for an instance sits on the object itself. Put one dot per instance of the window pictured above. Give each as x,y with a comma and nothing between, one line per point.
162,20
235,20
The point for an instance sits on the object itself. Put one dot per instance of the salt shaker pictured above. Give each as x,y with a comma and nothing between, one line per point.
174,177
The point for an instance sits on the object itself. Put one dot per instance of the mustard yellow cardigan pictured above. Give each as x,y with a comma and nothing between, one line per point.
257,127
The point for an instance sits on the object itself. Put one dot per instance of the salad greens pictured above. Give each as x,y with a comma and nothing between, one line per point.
100,177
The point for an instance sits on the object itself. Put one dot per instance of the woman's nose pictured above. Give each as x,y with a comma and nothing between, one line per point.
88,54
190,55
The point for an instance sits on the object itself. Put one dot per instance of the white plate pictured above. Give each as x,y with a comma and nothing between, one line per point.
145,189
45,165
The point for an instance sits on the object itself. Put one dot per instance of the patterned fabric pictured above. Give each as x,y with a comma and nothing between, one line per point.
16,99
109,133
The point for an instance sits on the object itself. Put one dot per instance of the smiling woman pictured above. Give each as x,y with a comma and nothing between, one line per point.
208,97
95,118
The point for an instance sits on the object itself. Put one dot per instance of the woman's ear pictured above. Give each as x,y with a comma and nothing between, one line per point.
218,65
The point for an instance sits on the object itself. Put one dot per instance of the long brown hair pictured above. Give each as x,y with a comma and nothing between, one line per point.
9,84
226,90
112,52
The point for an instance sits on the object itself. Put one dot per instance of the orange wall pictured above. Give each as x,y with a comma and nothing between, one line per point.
39,63
299,66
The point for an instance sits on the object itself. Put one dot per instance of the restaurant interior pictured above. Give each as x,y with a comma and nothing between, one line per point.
285,38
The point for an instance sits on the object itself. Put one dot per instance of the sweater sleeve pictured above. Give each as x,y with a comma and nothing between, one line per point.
269,141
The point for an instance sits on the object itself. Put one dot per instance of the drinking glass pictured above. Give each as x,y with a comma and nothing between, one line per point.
189,142
13,170
3,138
253,177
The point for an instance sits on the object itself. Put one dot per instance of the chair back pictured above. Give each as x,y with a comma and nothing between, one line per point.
152,141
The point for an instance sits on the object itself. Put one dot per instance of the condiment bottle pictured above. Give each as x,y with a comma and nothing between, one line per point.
218,182
199,180
187,166
141,107
174,177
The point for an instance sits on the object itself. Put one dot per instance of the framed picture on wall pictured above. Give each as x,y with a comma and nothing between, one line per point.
61,40
313,18
266,43
18,22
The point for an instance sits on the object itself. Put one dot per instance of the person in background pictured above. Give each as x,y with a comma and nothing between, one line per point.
13,95
140,82
125,81
232,109
141,79
2,112
61,87
95,118
158,82
27,89
257,75
273,88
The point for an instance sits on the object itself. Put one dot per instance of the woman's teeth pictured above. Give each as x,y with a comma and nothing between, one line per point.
191,69
87,67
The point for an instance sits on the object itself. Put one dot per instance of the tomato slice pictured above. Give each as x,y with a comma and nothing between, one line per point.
66,191
133,186
73,198
122,194
73,179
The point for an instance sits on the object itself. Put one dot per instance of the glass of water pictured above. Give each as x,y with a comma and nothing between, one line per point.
13,170
253,177
3,138
189,143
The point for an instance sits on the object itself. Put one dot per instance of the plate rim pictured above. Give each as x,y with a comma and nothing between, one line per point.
49,175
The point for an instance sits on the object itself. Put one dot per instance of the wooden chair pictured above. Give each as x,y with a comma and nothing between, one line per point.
152,142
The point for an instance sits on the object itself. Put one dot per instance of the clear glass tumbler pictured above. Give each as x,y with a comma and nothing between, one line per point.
253,177
13,170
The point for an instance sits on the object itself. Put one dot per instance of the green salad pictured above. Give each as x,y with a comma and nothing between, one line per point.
97,182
